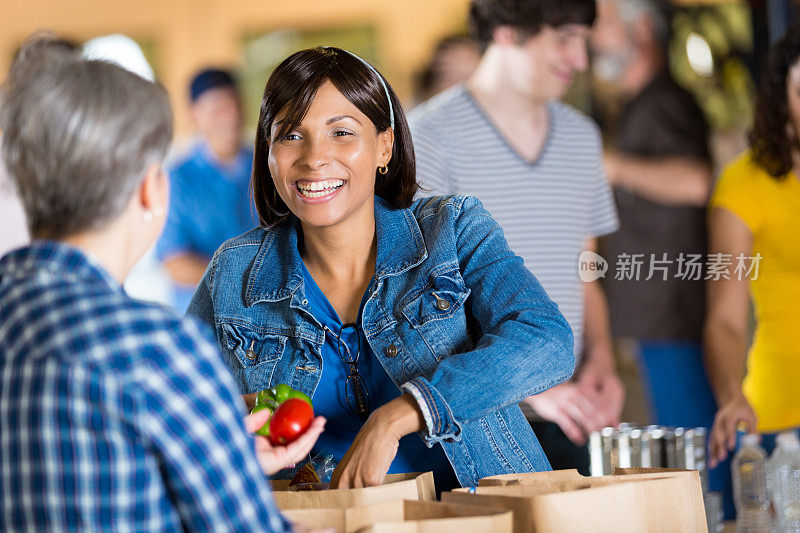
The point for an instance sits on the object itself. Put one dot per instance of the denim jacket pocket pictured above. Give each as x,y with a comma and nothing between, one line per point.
251,355
438,314
440,300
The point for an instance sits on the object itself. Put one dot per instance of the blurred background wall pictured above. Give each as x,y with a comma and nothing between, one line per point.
181,36
714,51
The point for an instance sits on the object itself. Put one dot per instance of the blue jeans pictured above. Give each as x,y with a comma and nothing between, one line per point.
679,394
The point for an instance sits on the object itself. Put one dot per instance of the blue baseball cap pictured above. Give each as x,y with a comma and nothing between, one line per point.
210,79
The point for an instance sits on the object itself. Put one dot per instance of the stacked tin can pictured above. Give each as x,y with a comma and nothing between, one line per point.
630,446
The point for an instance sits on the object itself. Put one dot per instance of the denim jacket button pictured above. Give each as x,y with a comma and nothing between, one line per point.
304,302
444,305
391,350
250,353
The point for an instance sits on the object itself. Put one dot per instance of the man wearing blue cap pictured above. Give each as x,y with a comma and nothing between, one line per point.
209,202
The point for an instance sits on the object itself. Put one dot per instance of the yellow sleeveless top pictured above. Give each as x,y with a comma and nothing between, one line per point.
771,210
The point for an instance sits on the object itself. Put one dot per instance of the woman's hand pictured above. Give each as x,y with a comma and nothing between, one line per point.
723,433
275,458
368,460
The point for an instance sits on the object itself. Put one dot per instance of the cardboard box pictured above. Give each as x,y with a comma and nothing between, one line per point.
413,486
635,500
406,516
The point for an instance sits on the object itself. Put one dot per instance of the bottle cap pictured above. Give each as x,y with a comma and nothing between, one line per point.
751,439
788,439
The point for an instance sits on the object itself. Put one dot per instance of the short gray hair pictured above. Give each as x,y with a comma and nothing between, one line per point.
77,137
655,10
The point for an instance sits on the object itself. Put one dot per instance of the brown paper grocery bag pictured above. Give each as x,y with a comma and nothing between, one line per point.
412,486
317,518
427,517
692,479
565,477
406,517
571,480
529,478
654,501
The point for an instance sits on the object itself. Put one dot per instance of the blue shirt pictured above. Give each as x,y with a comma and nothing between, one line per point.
330,397
115,414
209,204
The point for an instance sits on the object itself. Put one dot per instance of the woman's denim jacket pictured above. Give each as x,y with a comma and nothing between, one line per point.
454,317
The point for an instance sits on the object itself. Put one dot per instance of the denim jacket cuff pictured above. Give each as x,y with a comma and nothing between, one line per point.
439,421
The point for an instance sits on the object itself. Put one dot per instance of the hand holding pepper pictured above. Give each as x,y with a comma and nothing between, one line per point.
291,413
275,458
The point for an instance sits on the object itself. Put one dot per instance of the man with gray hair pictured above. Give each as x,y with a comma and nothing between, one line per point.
660,167
114,413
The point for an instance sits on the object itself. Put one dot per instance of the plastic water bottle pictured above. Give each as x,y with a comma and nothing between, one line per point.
784,475
749,469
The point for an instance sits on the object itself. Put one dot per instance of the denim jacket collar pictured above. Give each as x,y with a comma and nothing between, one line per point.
277,268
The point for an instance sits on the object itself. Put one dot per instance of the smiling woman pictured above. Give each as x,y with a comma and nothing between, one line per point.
365,105
396,315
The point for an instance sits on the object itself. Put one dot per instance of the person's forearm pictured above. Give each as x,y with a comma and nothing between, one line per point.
597,331
724,356
401,416
526,343
673,180
186,268
725,328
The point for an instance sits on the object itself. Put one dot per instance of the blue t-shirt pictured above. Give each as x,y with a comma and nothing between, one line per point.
330,398
209,204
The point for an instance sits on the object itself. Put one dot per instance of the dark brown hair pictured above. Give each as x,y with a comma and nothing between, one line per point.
528,16
293,85
771,146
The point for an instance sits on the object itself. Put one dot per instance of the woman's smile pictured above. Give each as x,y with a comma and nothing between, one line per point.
316,191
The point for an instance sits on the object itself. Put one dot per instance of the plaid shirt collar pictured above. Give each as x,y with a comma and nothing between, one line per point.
57,258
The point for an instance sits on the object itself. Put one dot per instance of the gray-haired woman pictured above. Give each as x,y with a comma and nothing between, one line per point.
113,412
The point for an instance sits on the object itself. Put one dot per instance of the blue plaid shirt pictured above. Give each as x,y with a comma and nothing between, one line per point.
115,414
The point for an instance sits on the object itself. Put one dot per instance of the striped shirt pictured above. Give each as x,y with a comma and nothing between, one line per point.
547,208
115,414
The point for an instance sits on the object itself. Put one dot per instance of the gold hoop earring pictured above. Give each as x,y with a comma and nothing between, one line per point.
383,169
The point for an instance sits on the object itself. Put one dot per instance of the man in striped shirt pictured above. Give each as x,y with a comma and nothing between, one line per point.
535,163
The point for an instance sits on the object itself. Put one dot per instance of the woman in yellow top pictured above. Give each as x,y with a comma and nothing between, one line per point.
755,213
